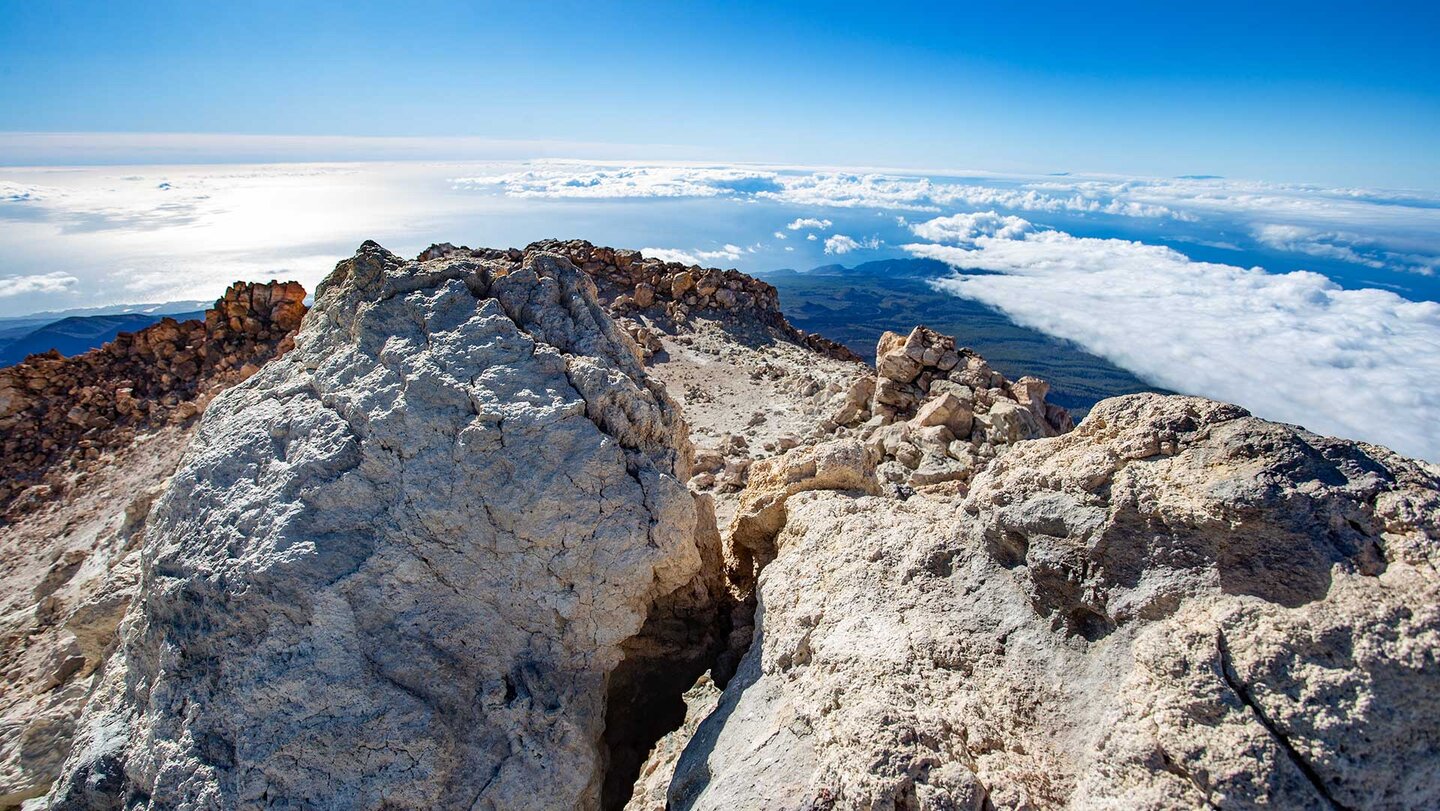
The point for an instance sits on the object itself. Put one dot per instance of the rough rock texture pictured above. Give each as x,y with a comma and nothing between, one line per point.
748,402
640,291
403,565
935,414
751,385
71,567
59,414
442,554
843,465
1176,605
652,786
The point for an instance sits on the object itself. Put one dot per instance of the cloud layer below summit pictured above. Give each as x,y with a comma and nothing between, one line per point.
1292,346
1163,276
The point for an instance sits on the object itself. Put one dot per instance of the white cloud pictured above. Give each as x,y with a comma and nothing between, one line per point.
874,190
809,222
1392,230
841,244
965,228
584,182
567,180
780,235
697,257
727,251
17,193
670,255
1346,246
56,282
1294,347
1399,228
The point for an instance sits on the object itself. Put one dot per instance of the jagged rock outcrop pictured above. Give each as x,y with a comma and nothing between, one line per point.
1177,605
442,553
406,564
59,414
637,289
935,414
88,444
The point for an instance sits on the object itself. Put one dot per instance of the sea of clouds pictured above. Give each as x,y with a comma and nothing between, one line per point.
1308,304
1291,346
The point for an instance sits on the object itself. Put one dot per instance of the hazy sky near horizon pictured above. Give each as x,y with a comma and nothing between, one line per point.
1319,92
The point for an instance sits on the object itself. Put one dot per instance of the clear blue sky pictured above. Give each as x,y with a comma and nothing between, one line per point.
1344,93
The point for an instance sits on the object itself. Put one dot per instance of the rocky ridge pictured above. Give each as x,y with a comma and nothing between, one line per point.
928,592
60,414
77,537
649,295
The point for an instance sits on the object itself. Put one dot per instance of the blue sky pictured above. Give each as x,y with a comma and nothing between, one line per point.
1341,93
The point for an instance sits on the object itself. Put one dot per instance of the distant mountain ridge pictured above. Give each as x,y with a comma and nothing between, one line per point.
84,328
77,334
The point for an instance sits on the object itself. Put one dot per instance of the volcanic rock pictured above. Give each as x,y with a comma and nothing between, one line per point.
406,563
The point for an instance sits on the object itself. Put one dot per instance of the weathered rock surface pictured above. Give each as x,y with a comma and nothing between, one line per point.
442,554
934,414
1174,606
70,570
646,294
58,415
841,465
403,565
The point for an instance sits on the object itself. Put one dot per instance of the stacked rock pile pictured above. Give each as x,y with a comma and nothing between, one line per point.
58,411
934,413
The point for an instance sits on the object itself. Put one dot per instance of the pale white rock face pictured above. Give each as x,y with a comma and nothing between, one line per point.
398,566
1174,606
70,569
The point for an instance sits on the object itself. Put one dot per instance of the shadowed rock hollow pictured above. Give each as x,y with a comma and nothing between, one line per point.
398,567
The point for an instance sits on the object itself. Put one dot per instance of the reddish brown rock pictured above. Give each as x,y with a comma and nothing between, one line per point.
56,412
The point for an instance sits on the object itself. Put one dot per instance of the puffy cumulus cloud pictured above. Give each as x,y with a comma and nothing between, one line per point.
726,251
1292,347
841,244
671,255
57,282
696,256
585,182
808,222
1345,246
780,235
964,229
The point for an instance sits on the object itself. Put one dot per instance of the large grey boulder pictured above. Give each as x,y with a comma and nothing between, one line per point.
1176,605
401,566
